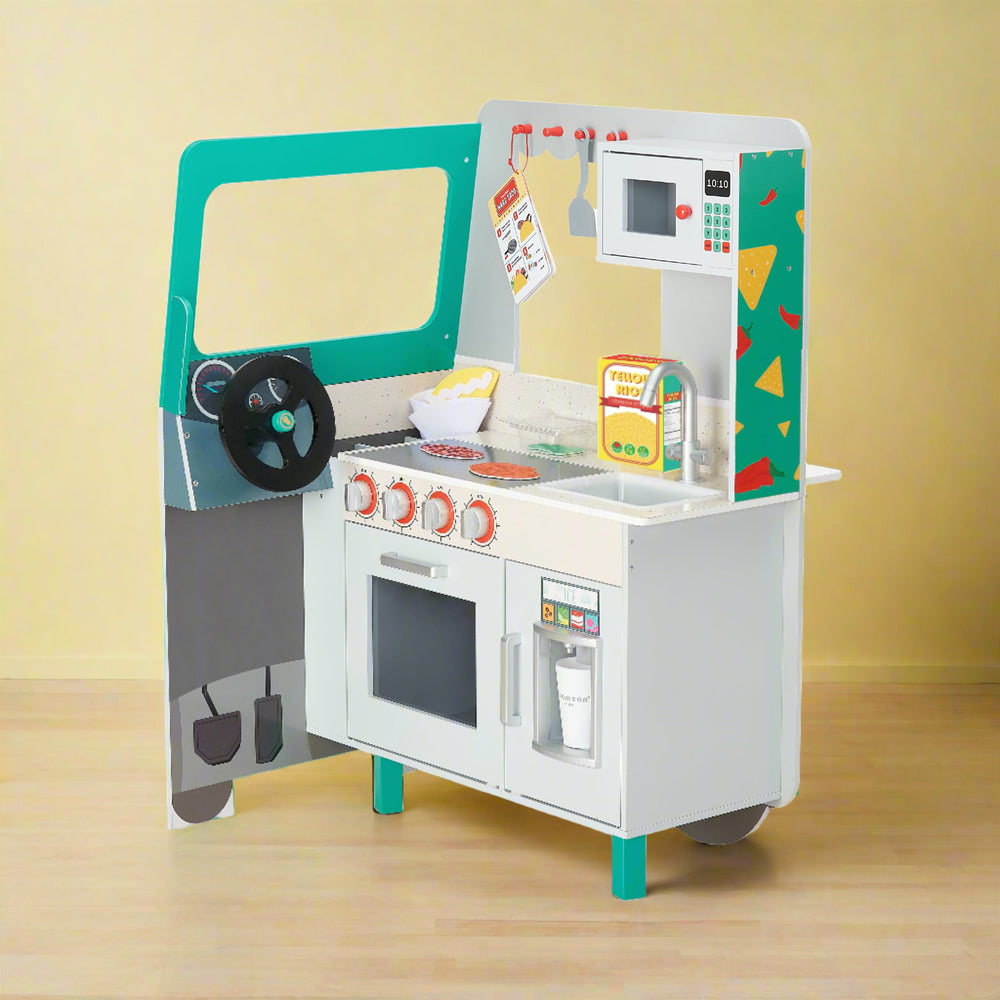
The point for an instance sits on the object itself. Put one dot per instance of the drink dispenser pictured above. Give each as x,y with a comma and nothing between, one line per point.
567,694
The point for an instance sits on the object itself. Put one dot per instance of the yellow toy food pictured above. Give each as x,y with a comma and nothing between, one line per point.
474,381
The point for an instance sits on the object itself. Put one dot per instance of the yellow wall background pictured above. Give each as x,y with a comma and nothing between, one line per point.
97,100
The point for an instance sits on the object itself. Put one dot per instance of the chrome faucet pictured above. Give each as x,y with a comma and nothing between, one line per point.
688,450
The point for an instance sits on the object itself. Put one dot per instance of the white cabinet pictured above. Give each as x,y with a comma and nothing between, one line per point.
536,765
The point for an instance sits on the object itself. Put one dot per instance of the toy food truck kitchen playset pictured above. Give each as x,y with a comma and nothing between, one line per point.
493,602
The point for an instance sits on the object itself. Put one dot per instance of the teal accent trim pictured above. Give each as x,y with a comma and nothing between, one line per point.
387,786
282,421
206,165
628,867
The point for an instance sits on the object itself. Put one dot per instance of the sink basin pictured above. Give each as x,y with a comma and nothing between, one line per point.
631,490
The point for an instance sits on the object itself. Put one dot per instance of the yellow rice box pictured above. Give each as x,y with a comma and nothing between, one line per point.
628,431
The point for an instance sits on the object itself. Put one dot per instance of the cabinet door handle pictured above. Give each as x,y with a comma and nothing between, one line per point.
435,570
508,716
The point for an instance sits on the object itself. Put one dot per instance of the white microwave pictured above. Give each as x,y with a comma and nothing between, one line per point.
663,204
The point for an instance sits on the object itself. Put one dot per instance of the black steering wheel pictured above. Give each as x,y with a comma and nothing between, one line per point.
244,427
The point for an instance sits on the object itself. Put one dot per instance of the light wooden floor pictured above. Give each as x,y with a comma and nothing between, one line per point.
880,880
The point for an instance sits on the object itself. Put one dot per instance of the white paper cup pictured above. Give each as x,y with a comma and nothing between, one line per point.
575,702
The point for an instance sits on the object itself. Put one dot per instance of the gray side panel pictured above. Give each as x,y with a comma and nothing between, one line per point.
238,694
215,481
234,590
703,700
175,492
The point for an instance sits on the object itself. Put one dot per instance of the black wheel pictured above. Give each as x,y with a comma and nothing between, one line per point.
246,423
717,831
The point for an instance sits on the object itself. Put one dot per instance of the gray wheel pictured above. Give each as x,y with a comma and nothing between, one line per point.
717,831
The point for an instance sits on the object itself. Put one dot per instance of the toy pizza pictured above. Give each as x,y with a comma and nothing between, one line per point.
504,470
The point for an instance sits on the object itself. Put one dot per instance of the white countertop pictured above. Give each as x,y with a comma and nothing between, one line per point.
625,513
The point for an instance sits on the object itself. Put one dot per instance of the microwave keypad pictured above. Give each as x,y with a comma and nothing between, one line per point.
717,228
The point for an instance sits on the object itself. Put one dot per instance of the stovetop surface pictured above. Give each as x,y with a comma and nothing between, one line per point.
409,456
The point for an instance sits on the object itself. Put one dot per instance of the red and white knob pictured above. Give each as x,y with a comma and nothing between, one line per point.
683,211
399,505
478,522
438,513
361,496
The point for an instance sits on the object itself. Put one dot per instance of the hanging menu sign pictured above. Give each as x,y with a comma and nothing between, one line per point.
523,249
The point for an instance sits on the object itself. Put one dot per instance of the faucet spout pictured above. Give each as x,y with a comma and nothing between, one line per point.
690,452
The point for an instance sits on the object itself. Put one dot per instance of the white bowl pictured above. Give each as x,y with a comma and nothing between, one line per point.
450,416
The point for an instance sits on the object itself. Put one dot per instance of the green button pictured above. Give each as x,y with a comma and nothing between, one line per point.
718,220
708,220
725,210
716,246
717,234
708,234
725,235
718,208
282,421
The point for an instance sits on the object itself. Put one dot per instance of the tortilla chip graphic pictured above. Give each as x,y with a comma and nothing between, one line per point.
519,282
800,218
739,427
770,381
783,427
755,266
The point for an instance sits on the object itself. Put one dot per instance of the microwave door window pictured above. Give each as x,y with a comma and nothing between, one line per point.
650,207
424,650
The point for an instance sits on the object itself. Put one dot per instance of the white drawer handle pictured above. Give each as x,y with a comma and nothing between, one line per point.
435,570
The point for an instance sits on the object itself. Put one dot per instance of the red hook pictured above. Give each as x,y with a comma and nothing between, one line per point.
556,130
620,135
521,130
584,133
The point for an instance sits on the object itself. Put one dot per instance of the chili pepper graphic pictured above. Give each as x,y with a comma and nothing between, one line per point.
771,195
760,473
790,318
743,342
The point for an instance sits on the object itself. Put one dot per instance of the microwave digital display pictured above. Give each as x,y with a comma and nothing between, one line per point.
718,184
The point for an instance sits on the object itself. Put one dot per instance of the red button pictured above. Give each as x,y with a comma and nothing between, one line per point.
683,211
708,244
725,248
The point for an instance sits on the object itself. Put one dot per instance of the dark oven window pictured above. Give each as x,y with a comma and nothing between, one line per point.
424,650
650,207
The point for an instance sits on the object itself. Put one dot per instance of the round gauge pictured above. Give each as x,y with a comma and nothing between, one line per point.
278,388
208,384
255,401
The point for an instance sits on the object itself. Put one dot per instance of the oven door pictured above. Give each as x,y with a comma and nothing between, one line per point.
424,623
640,195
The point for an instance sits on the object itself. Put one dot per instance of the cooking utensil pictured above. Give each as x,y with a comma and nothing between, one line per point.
582,221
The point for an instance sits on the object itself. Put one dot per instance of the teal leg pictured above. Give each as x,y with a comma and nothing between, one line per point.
387,786
628,867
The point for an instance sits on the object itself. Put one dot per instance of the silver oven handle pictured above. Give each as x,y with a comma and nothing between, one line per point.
508,644
435,570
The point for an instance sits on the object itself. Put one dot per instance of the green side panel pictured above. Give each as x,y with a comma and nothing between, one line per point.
387,786
628,867
766,459
208,164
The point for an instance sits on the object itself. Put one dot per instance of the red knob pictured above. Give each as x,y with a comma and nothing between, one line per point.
611,137
555,130
623,136
584,133
683,211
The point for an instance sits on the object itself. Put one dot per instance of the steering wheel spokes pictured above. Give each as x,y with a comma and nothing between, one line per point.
246,423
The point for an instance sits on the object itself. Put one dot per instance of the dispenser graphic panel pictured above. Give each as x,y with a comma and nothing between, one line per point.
567,605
